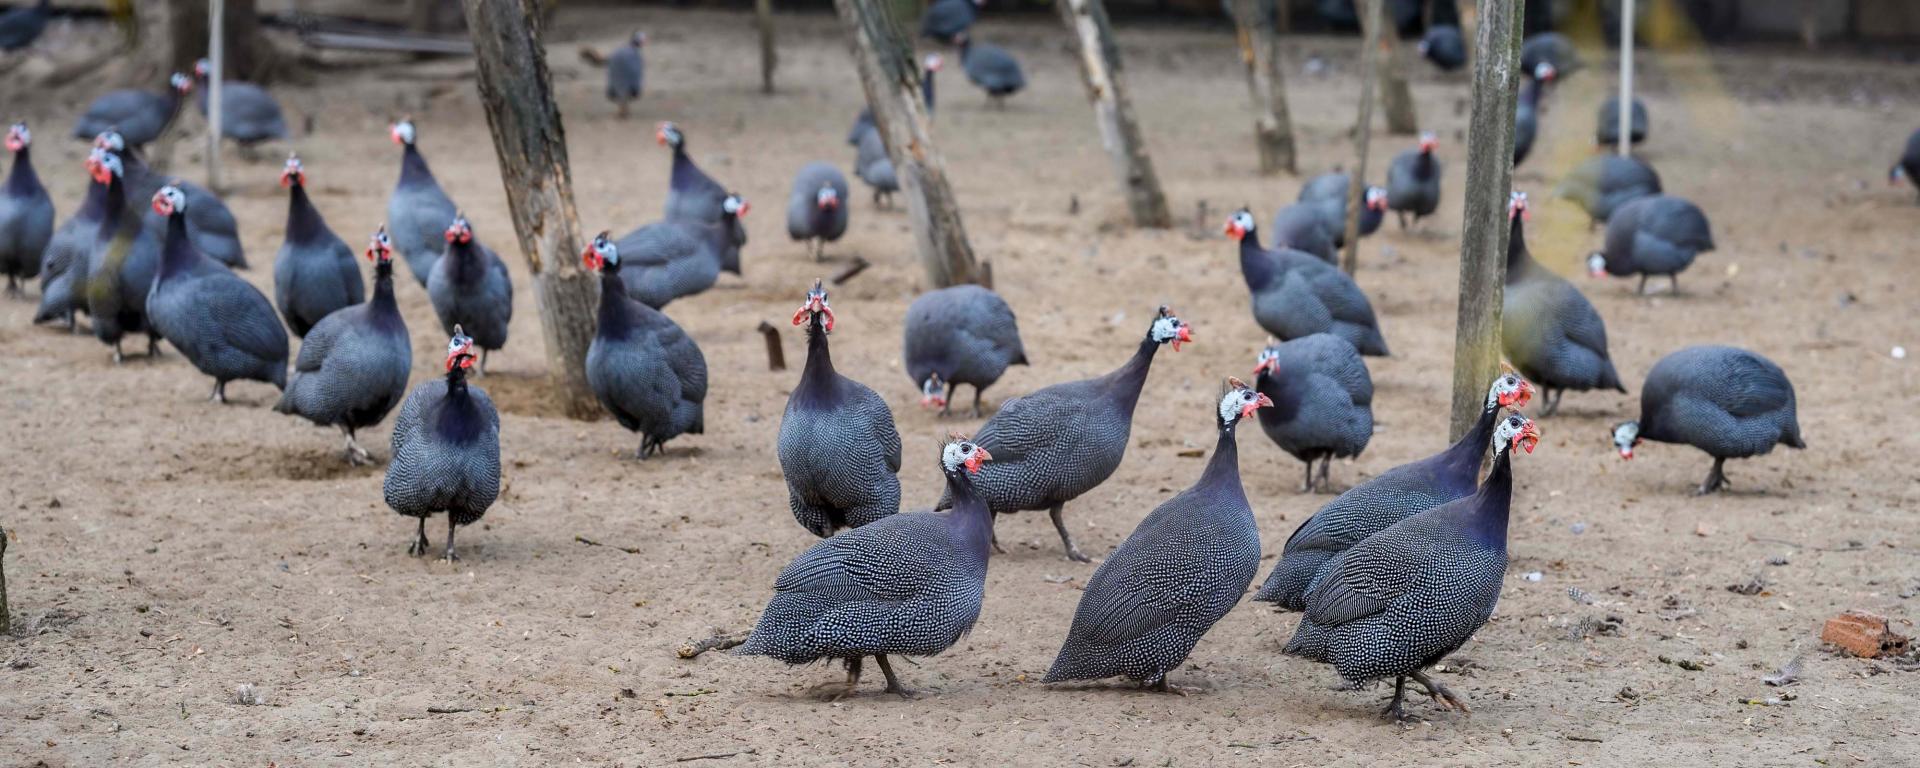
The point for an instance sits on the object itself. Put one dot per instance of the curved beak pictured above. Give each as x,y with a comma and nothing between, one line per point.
1234,231
980,456
1249,408
1528,438
1185,337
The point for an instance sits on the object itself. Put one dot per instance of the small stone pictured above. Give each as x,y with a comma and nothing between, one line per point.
1863,634
1578,528
1533,576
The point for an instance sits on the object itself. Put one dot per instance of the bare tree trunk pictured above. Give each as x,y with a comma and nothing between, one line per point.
1483,244
1260,52
250,55
1362,130
517,91
892,82
1395,97
1100,69
769,56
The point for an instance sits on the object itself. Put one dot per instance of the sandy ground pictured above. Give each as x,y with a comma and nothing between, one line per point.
169,550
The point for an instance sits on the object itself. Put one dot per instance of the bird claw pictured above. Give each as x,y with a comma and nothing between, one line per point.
903,691
1074,554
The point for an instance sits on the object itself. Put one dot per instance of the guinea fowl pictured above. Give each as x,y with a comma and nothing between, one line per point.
418,212
1549,48
1444,46
353,365
470,288
139,116
63,264
669,259
210,224
946,20
1404,598
22,25
1303,227
1296,294
692,194
1606,130
1550,332
446,450
1064,440
221,323
816,208
965,334
645,371
1413,181
839,450
907,585
1328,193
992,68
863,122
1322,401
1909,165
248,114
1656,235
120,264
1180,571
871,162
1389,497
26,214
1729,402
314,273
1526,113
1607,181
627,73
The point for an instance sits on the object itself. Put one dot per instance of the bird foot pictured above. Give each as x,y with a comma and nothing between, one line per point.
833,691
1178,690
1074,554
358,457
902,691
1396,711
1442,697
419,547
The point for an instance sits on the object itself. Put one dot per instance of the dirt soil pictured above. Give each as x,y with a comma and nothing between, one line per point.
168,551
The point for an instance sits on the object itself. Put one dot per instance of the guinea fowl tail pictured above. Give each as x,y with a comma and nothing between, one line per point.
1610,378
1286,588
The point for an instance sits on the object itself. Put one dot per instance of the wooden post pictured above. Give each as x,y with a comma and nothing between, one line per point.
769,57
1483,244
891,78
1363,130
1626,78
1119,132
216,55
1266,83
1395,97
6,615
776,358
517,92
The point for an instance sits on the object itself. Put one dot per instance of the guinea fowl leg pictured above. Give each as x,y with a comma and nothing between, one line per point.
1442,697
1306,485
480,371
153,345
420,543
451,557
1716,478
356,455
1548,405
117,356
219,393
1397,709
1402,216
1326,466
13,288
1643,286
976,401
994,536
1673,283
893,683
1066,539
1162,686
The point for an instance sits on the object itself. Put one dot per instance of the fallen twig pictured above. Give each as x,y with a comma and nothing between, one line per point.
447,710
718,642
716,756
859,265
592,543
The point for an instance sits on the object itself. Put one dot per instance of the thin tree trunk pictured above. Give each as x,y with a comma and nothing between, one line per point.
1100,69
769,56
517,92
1395,98
1362,130
891,78
1483,243
1260,52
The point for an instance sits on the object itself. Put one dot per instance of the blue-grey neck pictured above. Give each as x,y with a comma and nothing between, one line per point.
1223,469
1460,463
1125,382
969,517
22,181
818,382
304,224
1255,265
413,168
1492,503
685,174
614,323
385,312
177,254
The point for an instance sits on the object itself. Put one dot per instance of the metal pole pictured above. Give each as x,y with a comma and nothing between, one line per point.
216,50
1626,77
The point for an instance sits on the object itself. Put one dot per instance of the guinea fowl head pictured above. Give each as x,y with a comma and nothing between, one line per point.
734,205
107,167
110,140
402,131
380,249
1240,224
1167,328
1428,142
460,231
1895,174
933,392
1626,436
1377,198
1515,431
1268,362
93,161
816,307
1597,264
181,84
1509,390
1239,402
1517,207
962,454
1544,72
932,62
294,174
459,350
639,39
169,201
669,135
201,68
827,198
601,253
18,137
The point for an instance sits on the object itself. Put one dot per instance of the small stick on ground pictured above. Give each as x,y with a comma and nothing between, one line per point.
592,543
720,642
593,56
448,710
859,265
716,756
776,359
986,274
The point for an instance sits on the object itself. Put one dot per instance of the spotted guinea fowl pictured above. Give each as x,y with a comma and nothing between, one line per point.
1304,227
1296,294
816,209
140,116
470,288
120,264
946,20
1328,193
906,585
26,214
418,212
691,193
1404,598
221,323
839,450
353,365
1729,402
645,371
673,258
249,114
1607,181
1371,506
1066,439
22,25
1549,48
1322,401
965,334
446,450
1526,113
1908,167
1180,571
1444,46
863,123
1655,235
210,224
63,264
1549,331
992,68
1606,130
1413,181
314,273
873,166
627,73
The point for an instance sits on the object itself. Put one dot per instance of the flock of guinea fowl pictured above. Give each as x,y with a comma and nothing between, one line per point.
1390,576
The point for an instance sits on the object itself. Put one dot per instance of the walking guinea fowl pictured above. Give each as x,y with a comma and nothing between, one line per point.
314,273
871,162
1729,402
1607,181
22,25
120,264
1654,235
627,73
1328,193
1909,165
1304,227
63,264
446,450
248,114
1547,328
139,116
816,207
354,364
210,224
1413,181
1389,497
1606,129
470,288
965,334
1064,440
1526,113
907,585
839,450
863,122
691,193
673,258
645,371
1322,401
946,20
1549,48
992,68
1180,571
1444,46
418,212
221,323
1296,294
1404,598
26,214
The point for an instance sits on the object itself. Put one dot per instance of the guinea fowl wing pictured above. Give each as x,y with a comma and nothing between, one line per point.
1366,579
877,415
889,560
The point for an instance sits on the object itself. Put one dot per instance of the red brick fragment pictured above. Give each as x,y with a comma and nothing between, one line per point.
1863,634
